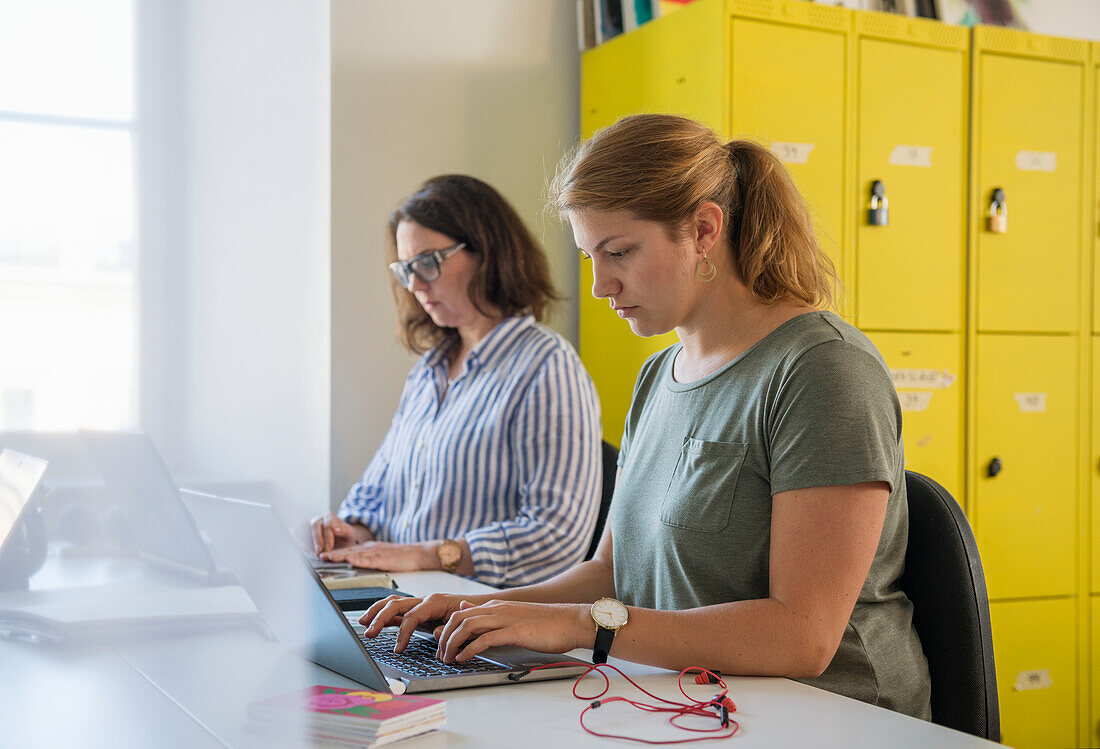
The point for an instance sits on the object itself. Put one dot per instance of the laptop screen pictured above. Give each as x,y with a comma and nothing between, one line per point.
19,475
253,542
142,488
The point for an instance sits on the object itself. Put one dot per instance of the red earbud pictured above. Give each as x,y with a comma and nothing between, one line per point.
708,677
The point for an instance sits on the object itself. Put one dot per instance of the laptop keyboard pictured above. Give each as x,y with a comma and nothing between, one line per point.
419,659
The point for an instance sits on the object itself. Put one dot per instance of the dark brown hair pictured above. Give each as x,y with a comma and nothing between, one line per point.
512,275
663,168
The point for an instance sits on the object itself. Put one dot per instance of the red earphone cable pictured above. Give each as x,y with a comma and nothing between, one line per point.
720,706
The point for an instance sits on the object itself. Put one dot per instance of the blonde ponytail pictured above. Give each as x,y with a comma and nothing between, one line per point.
771,232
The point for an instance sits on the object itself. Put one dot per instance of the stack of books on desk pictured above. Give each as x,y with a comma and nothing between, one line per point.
347,717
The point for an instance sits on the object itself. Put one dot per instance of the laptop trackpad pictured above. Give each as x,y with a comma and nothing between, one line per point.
522,657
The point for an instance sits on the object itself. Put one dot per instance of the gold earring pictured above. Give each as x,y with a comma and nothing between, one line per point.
705,270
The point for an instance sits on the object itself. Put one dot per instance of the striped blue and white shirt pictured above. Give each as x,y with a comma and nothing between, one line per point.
506,455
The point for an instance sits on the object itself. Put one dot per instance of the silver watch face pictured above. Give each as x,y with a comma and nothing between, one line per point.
609,613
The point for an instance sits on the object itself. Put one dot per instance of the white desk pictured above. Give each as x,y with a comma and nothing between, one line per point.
193,691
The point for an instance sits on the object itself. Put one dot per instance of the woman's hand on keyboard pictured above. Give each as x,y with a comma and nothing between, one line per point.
411,613
546,627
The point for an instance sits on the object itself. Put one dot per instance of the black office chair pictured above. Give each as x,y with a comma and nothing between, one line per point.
610,468
944,580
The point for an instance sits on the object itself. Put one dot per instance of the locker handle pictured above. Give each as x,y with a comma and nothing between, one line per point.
879,212
998,212
994,468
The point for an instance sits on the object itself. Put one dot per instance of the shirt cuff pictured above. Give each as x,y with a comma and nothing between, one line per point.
365,519
490,553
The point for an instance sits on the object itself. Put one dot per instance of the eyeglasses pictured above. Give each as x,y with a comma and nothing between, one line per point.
424,266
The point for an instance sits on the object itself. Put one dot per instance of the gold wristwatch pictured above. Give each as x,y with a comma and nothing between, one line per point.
449,554
610,616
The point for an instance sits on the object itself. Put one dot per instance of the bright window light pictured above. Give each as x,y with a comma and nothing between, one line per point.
70,58
68,297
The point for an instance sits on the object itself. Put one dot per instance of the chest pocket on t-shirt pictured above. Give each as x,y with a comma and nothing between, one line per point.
700,493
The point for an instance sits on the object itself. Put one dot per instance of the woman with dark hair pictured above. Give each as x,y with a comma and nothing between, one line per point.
491,467
759,523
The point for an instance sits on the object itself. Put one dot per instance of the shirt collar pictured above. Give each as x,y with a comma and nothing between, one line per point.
437,356
488,350
495,345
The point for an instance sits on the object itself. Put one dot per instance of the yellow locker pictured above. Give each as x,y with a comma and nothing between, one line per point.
1027,143
1033,645
788,68
927,371
1025,498
911,133
672,65
1095,473
1092,738
718,63
1092,213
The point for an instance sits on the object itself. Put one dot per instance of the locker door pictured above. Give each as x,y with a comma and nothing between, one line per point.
1092,212
927,371
1095,470
787,86
1025,498
672,65
911,136
1033,645
1093,736
1029,138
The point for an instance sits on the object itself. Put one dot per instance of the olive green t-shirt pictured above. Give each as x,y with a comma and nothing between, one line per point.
811,404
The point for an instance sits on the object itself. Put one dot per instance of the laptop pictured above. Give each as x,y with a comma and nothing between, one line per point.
163,531
253,542
19,477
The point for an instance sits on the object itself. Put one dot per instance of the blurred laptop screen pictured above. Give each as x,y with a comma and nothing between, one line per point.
19,475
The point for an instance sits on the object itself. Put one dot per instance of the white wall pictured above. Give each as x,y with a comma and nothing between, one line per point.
419,88
1074,18
253,396
1079,19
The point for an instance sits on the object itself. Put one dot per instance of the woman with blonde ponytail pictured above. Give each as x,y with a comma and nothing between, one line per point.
760,521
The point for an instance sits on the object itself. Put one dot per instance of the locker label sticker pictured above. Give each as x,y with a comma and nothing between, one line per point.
1037,161
911,156
1037,679
922,378
1031,403
793,153
915,400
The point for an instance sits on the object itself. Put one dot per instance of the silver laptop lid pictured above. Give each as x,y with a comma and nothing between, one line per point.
164,532
19,476
252,541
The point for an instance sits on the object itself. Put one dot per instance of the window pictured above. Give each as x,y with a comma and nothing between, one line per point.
68,261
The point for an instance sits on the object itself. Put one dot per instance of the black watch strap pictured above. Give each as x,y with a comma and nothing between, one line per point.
603,644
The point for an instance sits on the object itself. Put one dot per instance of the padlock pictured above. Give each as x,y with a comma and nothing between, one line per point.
879,214
998,213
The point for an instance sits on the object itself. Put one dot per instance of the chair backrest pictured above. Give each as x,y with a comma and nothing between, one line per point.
610,468
944,580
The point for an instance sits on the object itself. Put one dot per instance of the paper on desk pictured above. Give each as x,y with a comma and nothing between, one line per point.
356,578
100,611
